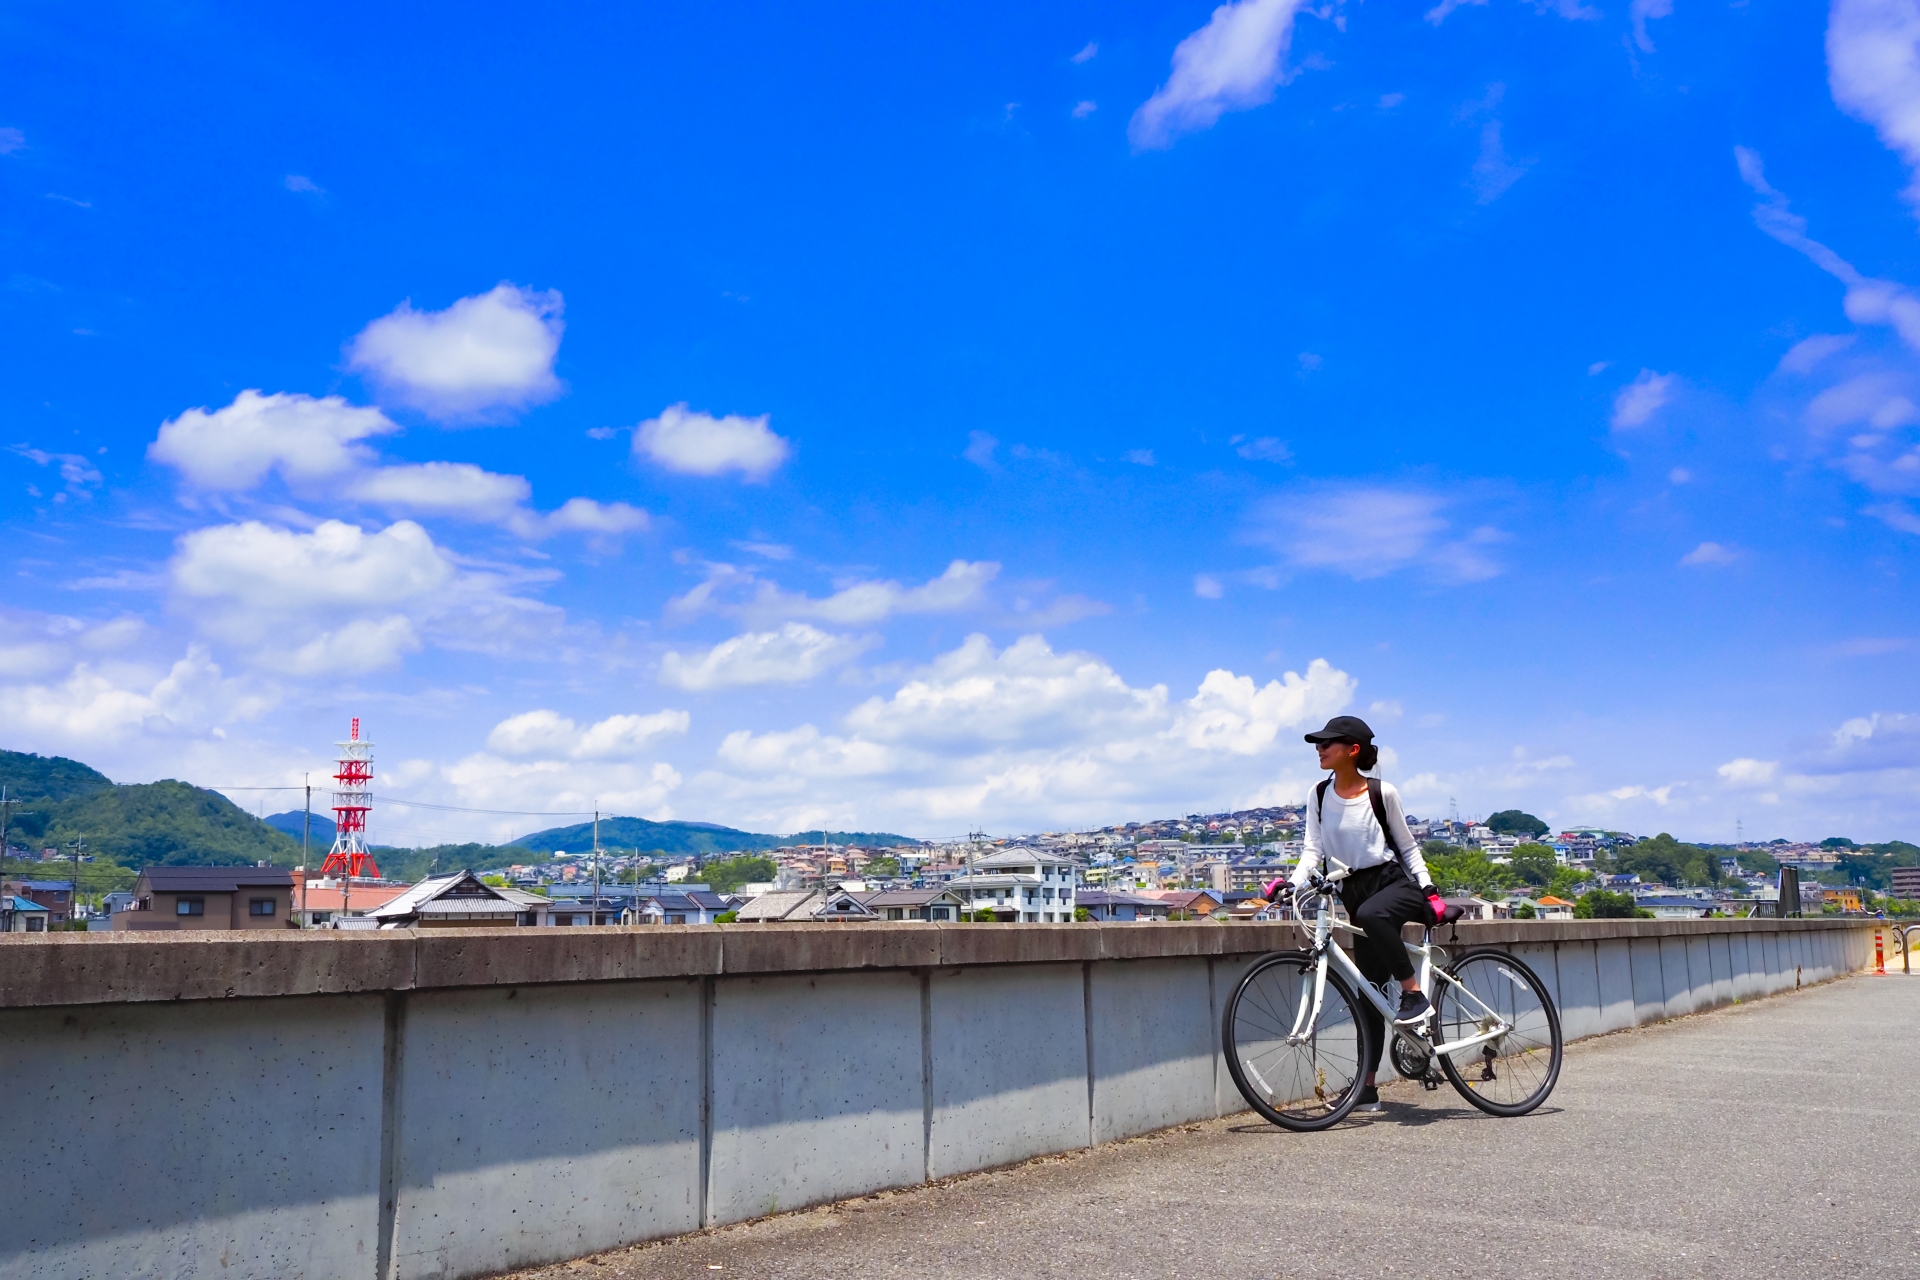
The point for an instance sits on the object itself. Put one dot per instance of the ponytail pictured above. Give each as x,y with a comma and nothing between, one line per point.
1368,756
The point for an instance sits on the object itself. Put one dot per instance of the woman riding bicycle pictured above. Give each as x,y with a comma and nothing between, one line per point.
1388,886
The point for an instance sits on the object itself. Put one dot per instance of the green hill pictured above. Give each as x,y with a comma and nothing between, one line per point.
168,824
42,783
683,838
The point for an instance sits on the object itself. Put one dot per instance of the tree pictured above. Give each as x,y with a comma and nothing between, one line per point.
1525,911
1601,905
1533,863
730,873
1667,860
726,917
1462,871
881,867
1512,822
1081,915
1566,883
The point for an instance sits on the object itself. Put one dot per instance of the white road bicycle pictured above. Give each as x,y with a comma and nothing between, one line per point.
1298,1051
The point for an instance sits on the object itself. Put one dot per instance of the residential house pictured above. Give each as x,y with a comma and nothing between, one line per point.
1106,905
933,905
1024,885
22,915
1249,874
697,907
169,898
55,895
1190,904
322,903
1675,907
461,900
1847,899
1552,908
781,904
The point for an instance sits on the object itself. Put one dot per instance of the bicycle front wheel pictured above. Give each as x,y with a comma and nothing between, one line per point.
1514,1072
1308,1084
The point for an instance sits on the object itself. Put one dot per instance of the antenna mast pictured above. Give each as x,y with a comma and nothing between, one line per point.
352,800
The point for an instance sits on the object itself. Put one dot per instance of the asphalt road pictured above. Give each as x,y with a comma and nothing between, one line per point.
1778,1138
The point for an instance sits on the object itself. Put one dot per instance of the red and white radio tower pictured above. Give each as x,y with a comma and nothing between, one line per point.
352,798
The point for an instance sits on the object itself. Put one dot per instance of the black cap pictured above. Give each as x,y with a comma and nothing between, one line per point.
1343,729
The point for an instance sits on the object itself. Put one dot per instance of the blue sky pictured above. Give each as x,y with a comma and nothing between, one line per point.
964,416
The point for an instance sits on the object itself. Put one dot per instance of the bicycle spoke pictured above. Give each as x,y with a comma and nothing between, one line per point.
1512,1071
1303,1085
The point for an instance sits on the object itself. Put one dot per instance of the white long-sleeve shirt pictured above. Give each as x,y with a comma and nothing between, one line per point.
1349,831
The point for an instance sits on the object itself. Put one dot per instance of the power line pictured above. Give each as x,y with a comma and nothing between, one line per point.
445,808
505,813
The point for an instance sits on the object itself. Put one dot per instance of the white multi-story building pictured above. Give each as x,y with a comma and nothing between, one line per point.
1025,885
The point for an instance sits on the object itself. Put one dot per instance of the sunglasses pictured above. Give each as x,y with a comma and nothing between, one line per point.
1337,742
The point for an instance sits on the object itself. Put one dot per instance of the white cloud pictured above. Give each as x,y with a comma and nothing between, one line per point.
550,735
1139,457
1208,587
1029,731
1895,515
444,488
1026,692
792,655
1867,300
482,356
1265,449
12,140
702,445
1641,12
98,707
1087,54
1368,532
339,598
301,185
315,446
1805,354
584,515
303,438
962,586
1873,68
979,450
1640,399
1494,171
1084,108
1709,554
806,752
1438,14
1747,772
1230,64
1230,713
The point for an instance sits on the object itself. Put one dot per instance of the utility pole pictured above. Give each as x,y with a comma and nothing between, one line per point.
73,890
6,899
595,916
306,851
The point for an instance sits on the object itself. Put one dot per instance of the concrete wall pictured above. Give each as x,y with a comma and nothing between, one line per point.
412,1105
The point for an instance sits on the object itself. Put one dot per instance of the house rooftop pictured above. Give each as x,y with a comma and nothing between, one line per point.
214,879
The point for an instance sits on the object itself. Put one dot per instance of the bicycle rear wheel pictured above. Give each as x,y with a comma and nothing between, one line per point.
1305,1086
1513,1074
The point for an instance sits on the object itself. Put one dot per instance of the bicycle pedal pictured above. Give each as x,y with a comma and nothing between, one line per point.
1430,1082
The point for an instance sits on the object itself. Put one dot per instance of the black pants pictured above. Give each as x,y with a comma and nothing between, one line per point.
1379,900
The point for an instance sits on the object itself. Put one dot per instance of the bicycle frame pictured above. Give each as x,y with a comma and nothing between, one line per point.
1324,953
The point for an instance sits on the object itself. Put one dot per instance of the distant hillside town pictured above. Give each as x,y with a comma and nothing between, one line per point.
82,852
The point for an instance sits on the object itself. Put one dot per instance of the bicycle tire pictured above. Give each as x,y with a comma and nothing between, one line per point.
1527,1058
1253,1031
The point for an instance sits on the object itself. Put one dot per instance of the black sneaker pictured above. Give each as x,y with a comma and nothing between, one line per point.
1414,1006
1369,1098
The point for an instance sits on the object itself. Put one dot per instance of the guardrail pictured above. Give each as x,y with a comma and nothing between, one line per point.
456,1103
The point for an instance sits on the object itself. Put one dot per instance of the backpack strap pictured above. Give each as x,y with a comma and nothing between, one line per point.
1380,816
1320,799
